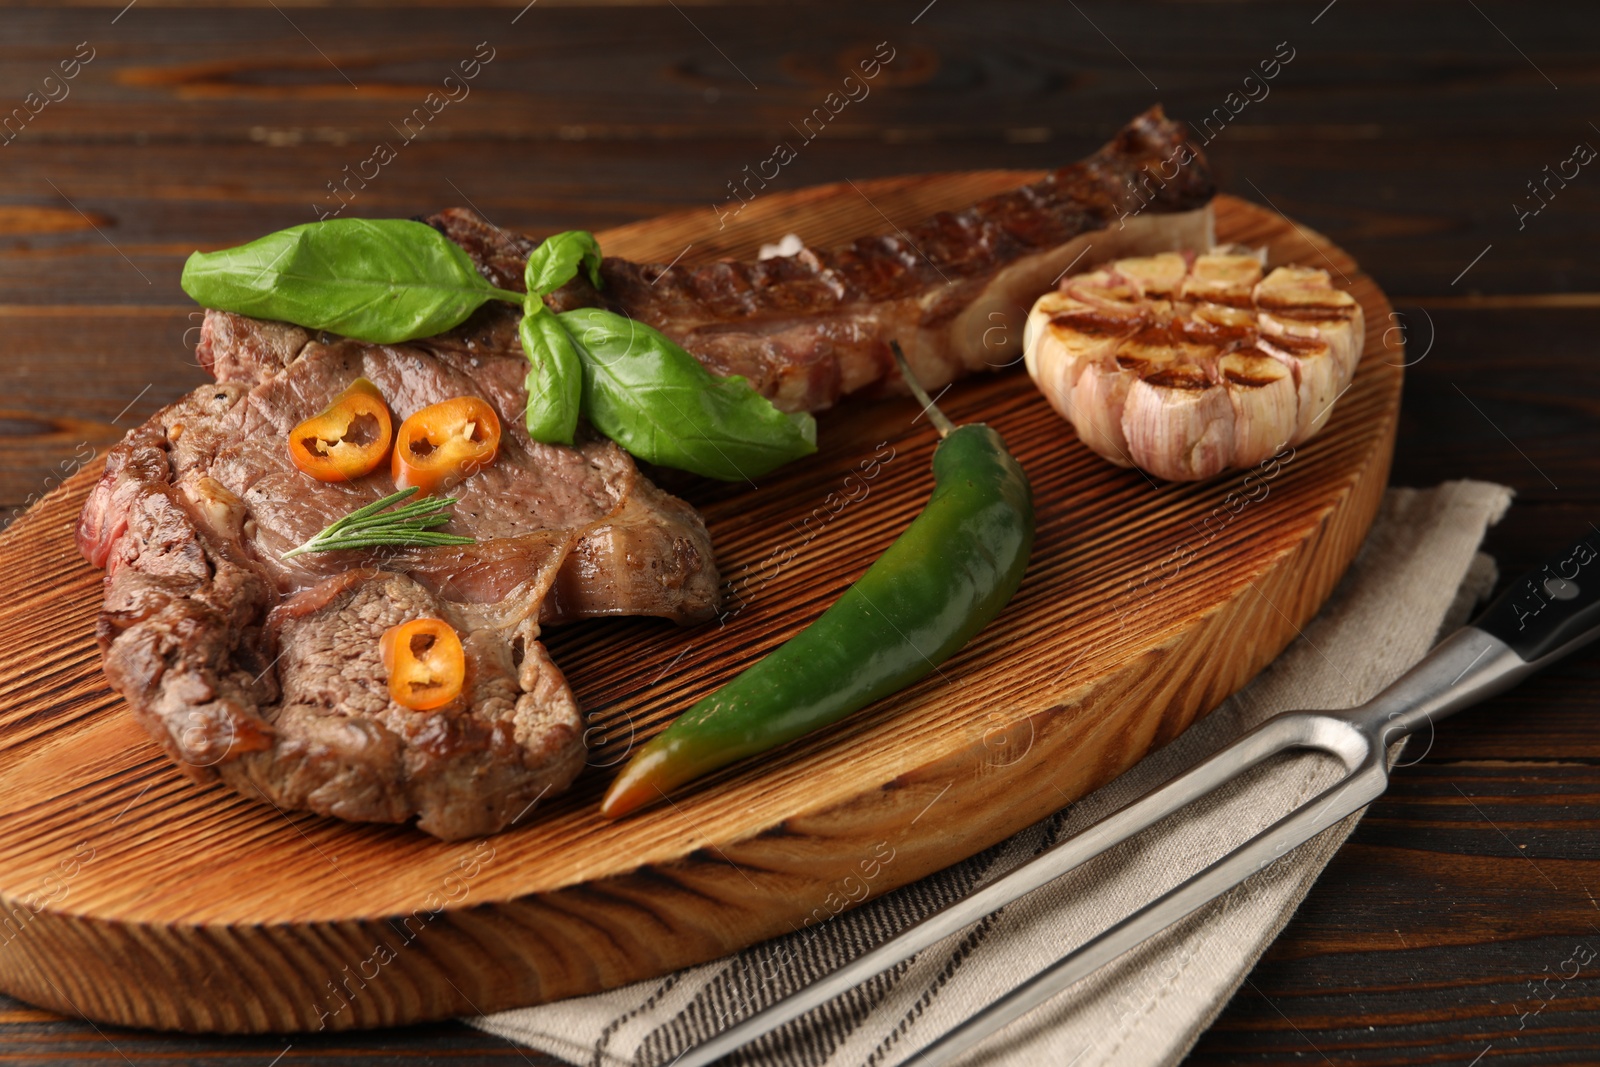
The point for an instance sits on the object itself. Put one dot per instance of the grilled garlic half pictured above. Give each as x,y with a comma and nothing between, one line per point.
1187,365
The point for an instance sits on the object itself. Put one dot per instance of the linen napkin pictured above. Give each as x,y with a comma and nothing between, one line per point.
1417,576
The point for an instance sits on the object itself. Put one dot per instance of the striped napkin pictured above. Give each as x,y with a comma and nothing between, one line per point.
1418,575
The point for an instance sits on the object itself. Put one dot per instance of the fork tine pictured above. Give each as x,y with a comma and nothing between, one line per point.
1278,734
1303,823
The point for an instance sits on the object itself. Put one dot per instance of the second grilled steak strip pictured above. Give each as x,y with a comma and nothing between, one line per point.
955,289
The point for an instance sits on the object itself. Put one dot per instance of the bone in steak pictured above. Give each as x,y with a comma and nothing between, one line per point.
955,289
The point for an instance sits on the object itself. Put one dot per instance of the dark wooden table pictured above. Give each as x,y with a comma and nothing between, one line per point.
1412,133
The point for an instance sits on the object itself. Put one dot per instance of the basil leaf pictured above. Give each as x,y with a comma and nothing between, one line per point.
657,401
378,280
555,262
555,376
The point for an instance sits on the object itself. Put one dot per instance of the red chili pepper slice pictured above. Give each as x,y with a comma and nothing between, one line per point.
445,443
425,663
349,438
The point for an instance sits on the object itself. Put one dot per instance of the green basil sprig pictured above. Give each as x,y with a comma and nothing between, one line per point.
392,280
557,259
658,402
378,280
555,377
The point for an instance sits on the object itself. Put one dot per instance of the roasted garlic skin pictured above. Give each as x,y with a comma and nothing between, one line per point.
1186,365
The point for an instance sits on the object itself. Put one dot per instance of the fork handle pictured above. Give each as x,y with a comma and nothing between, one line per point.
1552,609
1547,613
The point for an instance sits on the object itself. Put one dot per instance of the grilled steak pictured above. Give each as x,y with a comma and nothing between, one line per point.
955,289
642,552
266,672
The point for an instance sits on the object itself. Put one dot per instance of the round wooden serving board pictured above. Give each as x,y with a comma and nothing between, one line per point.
132,895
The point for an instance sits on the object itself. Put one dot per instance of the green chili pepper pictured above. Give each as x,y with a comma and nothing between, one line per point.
942,581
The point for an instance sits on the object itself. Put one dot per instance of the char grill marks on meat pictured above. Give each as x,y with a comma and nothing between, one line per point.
955,289
266,673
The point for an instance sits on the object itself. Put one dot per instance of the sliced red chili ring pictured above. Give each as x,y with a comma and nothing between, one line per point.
426,664
445,443
347,439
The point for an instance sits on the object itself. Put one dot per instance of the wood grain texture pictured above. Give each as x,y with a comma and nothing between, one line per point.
140,898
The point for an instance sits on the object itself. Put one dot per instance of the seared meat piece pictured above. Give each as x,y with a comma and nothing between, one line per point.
267,673
471,767
954,289
659,555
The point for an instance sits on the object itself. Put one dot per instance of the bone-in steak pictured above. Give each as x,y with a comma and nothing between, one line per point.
266,672
953,289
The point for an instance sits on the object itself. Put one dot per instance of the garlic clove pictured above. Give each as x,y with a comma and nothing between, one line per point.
1097,401
1338,336
1265,404
1220,326
1178,423
1051,365
1291,277
1316,375
1303,302
1227,278
1153,276
1103,286
1063,335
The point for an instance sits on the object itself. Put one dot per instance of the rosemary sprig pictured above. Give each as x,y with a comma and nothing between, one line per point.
372,526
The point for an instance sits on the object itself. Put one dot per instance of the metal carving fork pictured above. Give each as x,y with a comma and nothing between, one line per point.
1539,619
